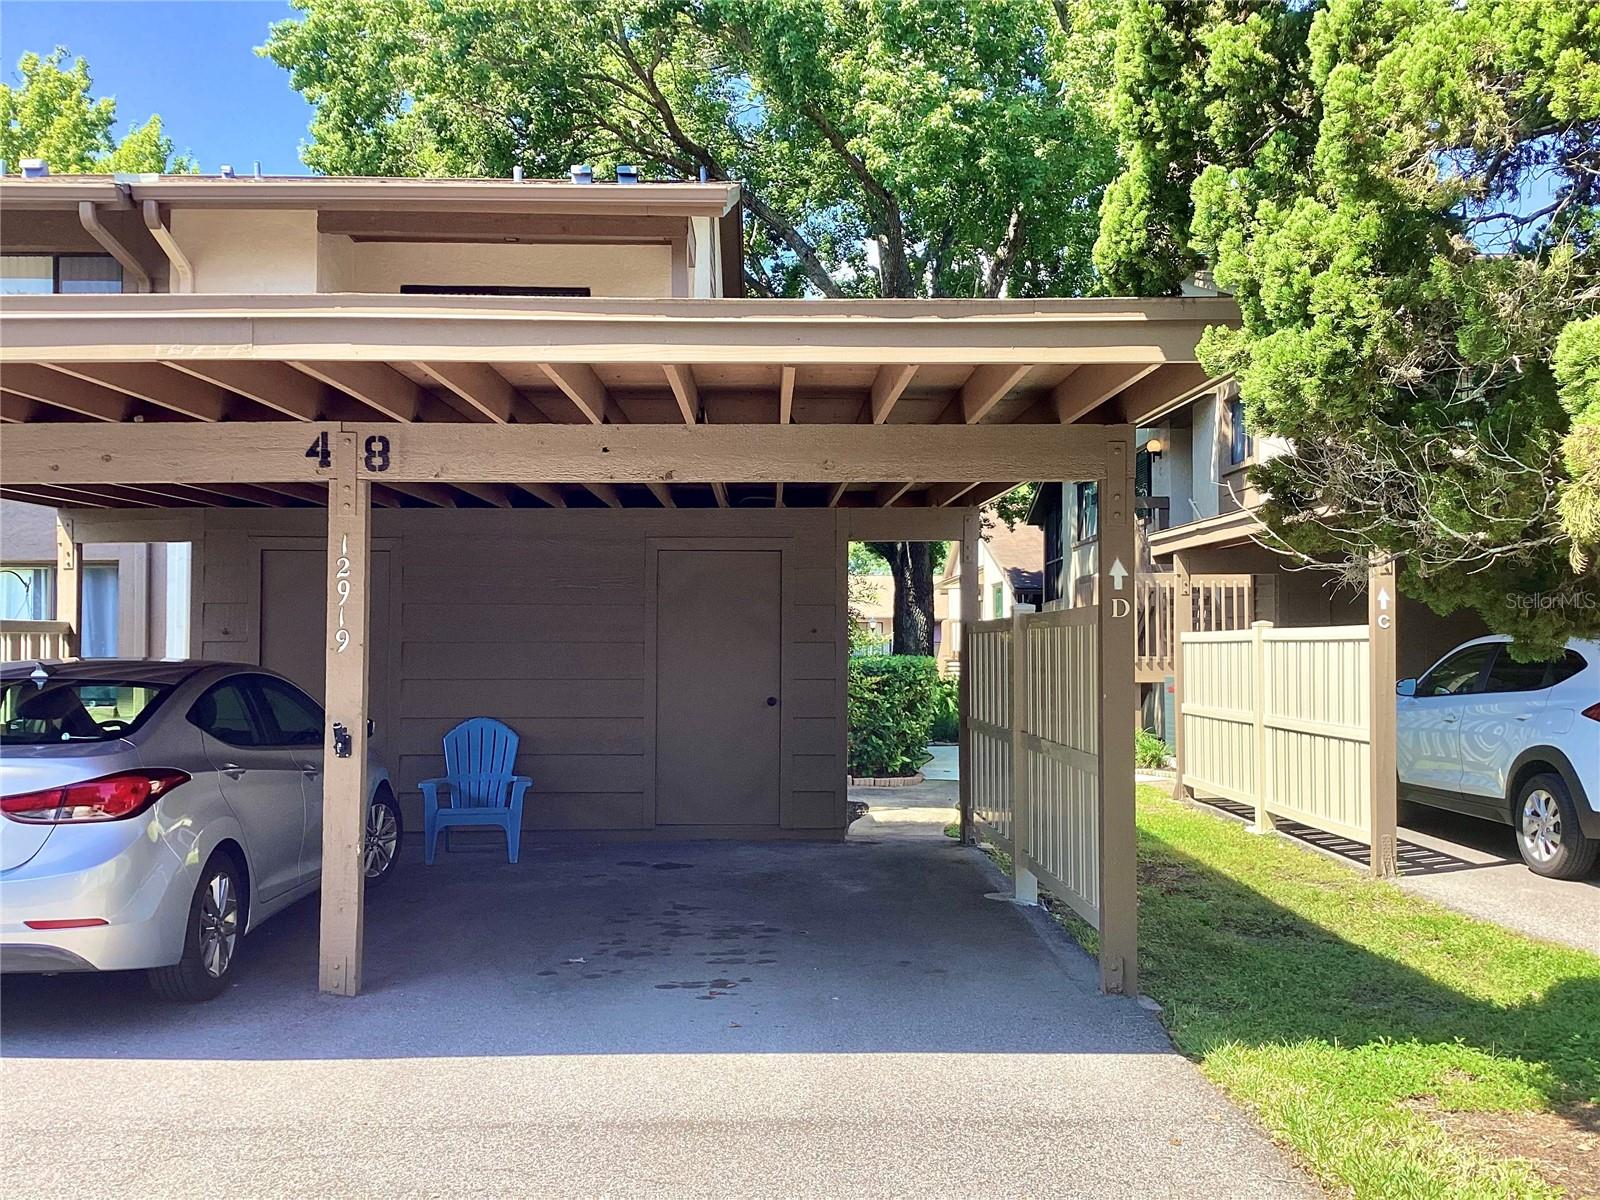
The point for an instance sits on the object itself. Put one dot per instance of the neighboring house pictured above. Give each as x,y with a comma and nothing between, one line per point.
1197,508
135,596
872,606
1010,572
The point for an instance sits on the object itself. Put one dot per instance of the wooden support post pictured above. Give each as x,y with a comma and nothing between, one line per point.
69,584
971,532
1119,891
1024,883
1258,739
1182,623
344,752
1382,606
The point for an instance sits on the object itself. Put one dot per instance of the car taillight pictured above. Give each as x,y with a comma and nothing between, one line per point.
1593,711
112,798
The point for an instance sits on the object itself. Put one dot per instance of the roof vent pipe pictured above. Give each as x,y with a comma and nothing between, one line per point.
256,168
626,174
582,174
516,174
3,165
35,168
705,175
226,170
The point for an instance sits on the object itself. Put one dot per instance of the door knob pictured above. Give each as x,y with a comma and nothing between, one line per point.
772,701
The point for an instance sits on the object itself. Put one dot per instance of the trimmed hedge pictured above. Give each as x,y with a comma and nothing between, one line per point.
891,701
947,709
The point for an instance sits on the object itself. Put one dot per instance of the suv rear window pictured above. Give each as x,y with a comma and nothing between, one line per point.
64,710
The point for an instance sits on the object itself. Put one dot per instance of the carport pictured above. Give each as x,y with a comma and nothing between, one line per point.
456,463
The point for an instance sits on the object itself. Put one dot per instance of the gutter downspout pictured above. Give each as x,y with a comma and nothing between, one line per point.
182,272
89,216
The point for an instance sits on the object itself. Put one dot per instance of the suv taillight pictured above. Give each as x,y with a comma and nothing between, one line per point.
112,798
1593,711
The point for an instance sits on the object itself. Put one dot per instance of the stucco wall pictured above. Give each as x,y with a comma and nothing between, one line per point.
605,270
249,250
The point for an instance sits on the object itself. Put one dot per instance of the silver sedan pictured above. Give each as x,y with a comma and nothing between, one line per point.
155,812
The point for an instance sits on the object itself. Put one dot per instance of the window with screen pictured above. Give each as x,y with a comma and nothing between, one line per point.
1241,445
1088,513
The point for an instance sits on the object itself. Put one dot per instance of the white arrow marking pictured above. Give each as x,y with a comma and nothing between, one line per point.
1383,599
1118,573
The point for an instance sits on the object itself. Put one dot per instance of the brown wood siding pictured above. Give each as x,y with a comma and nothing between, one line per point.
539,618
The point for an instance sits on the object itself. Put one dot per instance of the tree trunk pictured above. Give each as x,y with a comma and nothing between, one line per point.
911,564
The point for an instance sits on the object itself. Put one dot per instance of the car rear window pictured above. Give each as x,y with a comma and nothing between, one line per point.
65,710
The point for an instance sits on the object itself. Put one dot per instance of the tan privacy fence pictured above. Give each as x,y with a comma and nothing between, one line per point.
1280,719
1035,729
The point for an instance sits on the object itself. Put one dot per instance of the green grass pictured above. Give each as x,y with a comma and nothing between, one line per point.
1344,1011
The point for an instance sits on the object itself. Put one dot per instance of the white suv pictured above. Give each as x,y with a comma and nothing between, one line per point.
1518,743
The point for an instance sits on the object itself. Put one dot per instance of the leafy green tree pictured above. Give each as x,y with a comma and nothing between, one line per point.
49,115
1403,195
892,148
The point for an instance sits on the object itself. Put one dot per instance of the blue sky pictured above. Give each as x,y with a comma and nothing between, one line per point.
193,62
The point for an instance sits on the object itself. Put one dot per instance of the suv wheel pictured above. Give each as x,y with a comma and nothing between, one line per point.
211,941
1547,830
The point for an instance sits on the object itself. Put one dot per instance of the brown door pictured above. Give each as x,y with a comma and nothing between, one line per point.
294,615
718,639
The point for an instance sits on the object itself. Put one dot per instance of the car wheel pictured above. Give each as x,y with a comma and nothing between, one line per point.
211,941
381,847
1547,830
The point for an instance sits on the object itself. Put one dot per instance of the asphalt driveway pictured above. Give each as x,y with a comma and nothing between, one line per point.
691,1019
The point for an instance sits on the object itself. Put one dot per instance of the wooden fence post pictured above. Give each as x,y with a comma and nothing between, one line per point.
1182,623
1119,887
1258,687
1025,885
344,749
971,531
1382,603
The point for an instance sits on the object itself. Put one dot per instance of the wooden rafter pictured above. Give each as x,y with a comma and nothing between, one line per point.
481,386
429,493
941,495
68,392
786,382
663,495
278,386
497,494
886,388
1089,387
606,493
836,494
155,383
680,378
1161,391
583,387
15,409
377,385
987,386
544,492
888,493
720,491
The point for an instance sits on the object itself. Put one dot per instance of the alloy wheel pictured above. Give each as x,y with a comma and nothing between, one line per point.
1541,825
219,924
383,837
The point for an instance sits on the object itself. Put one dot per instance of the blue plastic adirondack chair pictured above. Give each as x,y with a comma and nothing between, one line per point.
480,758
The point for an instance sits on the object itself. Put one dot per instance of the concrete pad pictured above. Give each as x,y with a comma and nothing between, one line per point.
733,1019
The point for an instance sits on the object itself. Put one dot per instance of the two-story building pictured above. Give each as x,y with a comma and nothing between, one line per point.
1197,508
525,449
